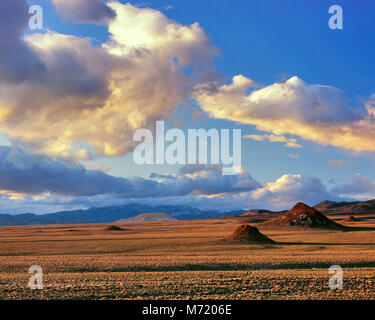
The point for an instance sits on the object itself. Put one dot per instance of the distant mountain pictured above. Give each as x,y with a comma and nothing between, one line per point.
109,214
260,212
148,217
356,207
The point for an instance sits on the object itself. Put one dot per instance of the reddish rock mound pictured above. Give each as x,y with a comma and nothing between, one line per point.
352,218
114,228
247,233
304,216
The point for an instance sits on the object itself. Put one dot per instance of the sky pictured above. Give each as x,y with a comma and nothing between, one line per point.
73,93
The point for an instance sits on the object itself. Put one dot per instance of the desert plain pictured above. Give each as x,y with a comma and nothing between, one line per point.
187,260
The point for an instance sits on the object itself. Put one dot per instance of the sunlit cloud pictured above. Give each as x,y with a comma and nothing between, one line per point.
102,167
340,163
14,195
318,113
293,156
292,188
289,142
336,163
76,91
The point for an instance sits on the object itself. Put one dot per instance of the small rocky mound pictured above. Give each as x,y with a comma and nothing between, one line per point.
249,234
114,228
304,216
352,218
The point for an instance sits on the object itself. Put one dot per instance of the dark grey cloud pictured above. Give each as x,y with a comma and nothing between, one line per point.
64,71
18,62
84,11
190,169
34,174
357,184
207,179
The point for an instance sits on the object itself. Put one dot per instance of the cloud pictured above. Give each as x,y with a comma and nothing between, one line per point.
293,156
42,183
83,154
102,167
318,113
340,163
292,188
281,194
336,163
33,174
22,173
18,62
207,180
84,11
191,169
357,184
170,7
64,89
289,142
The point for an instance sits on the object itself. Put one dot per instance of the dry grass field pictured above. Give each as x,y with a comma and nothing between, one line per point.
186,260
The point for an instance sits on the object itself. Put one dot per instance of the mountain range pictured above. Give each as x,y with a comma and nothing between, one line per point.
115,213
109,214
357,207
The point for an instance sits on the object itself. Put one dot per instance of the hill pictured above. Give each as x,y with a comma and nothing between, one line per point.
148,217
304,216
356,207
260,212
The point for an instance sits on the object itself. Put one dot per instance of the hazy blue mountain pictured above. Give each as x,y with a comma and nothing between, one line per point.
109,214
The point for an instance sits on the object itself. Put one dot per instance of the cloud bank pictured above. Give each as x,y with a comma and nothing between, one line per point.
22,173
65,182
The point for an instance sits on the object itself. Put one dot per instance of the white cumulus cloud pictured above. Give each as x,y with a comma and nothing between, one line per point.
68,90
318,113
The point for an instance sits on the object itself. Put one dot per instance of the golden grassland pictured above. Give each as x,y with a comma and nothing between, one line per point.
186,260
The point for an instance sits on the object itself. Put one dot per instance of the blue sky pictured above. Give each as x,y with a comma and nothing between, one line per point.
266,41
